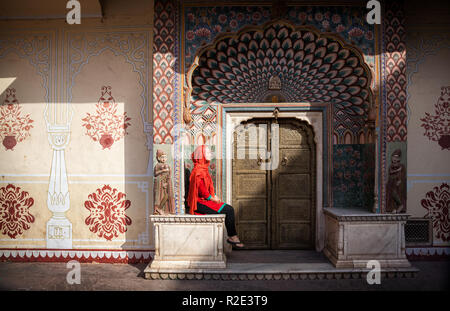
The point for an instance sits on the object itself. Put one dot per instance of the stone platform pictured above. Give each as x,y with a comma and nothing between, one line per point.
354,237
276,265
188,242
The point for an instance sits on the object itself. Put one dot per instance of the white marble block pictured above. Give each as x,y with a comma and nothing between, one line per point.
188,242
353,237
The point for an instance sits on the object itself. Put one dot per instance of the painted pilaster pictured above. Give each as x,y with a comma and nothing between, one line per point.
59,228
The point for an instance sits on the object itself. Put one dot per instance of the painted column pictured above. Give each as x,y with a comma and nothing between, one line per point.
59,228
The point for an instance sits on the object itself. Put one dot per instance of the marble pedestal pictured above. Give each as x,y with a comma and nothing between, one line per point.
194,242
354,237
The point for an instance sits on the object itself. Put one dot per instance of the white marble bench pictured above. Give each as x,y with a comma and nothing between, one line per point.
354,237
188,242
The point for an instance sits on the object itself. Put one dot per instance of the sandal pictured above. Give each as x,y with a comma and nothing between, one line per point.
235,244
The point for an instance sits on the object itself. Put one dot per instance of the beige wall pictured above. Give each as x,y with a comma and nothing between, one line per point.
428,60
59,69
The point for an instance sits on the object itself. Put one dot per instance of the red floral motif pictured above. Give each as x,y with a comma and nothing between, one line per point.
437,128
369,35
437,204
318,16
256,16
340,28
326,24
356,32
107,212
222,18
106,126
14,128
15,217
203,32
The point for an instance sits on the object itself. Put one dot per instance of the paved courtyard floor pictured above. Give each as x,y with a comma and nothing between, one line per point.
433,275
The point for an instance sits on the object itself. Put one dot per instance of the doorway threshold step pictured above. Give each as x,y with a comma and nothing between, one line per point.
275,271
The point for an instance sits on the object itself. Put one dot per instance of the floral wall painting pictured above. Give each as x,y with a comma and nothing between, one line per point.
15,217
14,127
437,204
107,216
107,125
437,126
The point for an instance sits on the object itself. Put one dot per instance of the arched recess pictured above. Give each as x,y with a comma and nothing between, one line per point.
313,67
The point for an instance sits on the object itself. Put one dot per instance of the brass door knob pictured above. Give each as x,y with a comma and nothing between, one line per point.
284,161
259,161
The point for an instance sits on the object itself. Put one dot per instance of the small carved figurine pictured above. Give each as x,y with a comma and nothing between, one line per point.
163,191
396,185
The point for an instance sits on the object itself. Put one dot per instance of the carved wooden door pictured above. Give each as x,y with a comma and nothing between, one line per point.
251,185
275,206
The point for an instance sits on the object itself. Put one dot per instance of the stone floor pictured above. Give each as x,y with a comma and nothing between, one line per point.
433,275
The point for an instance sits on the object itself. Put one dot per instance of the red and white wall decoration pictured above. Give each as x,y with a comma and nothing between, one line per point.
107,125
437,127
15,216
437,204
14,127
107,216
81,255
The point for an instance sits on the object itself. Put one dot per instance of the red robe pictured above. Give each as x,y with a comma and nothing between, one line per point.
201,188
204,198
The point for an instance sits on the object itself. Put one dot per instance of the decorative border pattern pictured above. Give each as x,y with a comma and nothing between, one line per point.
83,256
163,71
395,71
368,217
428,253
246,276
202,24
188,219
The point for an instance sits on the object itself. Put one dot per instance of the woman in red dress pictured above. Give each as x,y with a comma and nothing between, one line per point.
202,198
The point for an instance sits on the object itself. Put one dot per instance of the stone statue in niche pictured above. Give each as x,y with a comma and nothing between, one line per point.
396,185
163,191
274,83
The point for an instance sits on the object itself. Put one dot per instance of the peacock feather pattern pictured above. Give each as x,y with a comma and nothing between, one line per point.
312,66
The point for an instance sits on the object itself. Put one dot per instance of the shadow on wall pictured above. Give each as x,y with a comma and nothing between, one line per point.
93,147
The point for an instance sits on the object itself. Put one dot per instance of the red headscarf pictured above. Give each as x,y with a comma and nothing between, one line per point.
199,172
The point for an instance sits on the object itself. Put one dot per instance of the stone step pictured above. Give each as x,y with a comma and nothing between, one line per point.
278,271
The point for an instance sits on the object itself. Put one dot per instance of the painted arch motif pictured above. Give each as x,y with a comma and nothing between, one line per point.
312,66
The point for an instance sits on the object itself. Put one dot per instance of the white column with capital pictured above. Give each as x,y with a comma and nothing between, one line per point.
59,229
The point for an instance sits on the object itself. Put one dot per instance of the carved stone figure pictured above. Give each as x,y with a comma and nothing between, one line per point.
163,191
396,185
